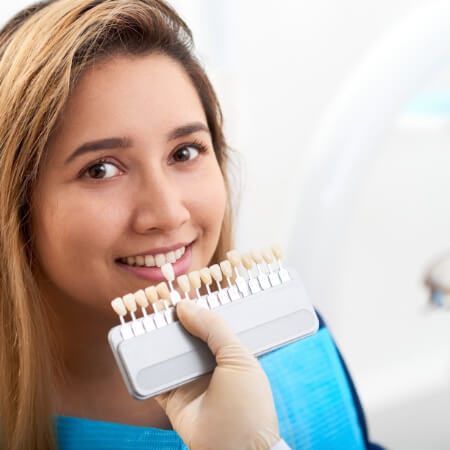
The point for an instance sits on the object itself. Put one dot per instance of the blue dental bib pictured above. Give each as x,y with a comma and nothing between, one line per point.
314,401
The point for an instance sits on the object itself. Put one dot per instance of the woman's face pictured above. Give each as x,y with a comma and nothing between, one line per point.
130,180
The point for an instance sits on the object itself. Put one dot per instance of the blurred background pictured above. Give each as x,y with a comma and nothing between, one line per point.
340,116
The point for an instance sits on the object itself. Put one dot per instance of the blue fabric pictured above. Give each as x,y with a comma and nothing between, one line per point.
83,434
313,398
314,404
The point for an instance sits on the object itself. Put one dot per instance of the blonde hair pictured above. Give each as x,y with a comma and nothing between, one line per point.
43,52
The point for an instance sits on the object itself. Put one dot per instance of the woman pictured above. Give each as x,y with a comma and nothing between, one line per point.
112,149
111,153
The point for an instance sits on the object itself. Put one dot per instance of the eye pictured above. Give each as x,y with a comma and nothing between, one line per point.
101,170
187,153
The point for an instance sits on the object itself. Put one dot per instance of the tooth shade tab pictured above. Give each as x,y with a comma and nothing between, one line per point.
130,302
163,290
183,283
160,260
194,278
228,272
152,294
257,257
267,255
141,299
205,276
234,258
247,261
160,306
119,307
168,271
276,250
216,273
226,268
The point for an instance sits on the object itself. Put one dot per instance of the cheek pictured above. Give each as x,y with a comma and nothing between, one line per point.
72,237
209,202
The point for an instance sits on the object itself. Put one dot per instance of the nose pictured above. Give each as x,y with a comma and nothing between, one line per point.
160,205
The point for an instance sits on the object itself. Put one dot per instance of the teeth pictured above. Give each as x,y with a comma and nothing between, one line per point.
157,260
149,260
131,260
160,259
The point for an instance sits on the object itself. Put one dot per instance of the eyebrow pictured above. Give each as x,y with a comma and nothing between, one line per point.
108,143
118,142
185,130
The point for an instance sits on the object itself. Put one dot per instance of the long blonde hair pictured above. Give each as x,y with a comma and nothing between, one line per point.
43,52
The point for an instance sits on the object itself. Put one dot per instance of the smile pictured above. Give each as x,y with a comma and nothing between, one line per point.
146,268
157,260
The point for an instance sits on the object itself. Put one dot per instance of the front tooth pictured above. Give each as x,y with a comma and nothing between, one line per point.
160,259
131,260
140,260
149,260
170,257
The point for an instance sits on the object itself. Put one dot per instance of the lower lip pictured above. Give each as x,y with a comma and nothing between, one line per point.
155,274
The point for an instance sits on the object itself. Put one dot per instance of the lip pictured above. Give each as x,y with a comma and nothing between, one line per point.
155,251
155,274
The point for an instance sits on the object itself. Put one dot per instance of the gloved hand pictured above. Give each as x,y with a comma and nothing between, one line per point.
232,408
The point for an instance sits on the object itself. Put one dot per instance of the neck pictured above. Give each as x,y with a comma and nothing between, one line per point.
89,383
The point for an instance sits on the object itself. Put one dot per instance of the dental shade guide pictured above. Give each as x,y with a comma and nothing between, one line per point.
263,279
185,285
169,274
156,354
247,262
227,270
235,260
196,282
216,273
169,309
205,276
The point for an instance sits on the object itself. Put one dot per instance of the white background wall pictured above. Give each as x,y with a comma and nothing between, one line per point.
277,67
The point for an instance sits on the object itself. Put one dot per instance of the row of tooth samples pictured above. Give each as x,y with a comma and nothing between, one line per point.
163,297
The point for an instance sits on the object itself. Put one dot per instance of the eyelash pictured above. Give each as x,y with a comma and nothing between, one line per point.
199,146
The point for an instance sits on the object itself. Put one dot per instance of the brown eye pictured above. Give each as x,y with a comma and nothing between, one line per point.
102,170
185,154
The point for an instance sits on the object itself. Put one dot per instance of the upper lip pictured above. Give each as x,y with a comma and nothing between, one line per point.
155,251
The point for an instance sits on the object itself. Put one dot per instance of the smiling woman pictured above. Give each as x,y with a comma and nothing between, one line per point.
158,189
112,163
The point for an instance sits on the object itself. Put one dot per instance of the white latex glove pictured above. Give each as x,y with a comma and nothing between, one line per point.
231,408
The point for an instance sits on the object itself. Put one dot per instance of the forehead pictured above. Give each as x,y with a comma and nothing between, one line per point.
135,93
